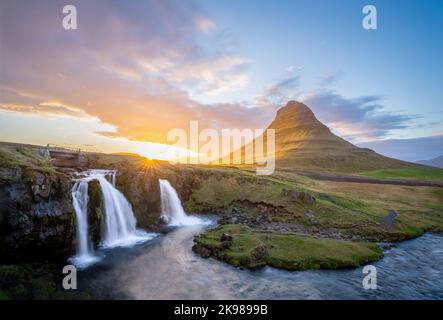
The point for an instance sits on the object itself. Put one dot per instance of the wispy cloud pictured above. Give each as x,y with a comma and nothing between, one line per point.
357,119
132,66
279,93
205,25
331,79
136,66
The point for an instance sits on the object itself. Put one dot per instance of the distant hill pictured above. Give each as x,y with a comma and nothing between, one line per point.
304,143
436,162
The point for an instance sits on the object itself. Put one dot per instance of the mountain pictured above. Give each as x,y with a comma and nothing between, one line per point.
436,162
304,143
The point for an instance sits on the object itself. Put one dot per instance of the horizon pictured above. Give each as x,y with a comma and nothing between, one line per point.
133,71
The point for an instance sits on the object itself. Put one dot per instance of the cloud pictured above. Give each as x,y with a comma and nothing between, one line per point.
130,65
415,149
205,25
279,93
357,119
331,79
136,65
46,110
212,76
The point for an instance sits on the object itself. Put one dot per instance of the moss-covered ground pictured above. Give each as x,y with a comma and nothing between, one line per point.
253,248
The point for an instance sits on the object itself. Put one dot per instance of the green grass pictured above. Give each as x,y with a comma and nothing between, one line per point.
23,156
286,251
353,209
426,173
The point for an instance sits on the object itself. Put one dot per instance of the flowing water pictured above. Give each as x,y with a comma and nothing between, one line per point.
166,268
172,210
120,223
85,253
119,227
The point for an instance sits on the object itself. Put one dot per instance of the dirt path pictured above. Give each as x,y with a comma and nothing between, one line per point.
358,179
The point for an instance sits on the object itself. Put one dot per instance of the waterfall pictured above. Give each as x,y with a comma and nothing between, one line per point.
172,210
120,223
85,254
114,173
119,228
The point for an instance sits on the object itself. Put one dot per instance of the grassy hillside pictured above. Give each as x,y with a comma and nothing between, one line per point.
15,156
358,209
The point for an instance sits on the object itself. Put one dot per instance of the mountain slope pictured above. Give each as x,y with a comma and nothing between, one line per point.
304,143
436,162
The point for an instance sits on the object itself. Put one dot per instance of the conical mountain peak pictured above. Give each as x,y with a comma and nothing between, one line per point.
296,120
302,141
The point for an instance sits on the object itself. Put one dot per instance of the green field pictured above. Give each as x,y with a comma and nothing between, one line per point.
425,173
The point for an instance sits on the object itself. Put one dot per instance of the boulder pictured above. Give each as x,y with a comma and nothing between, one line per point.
302,196
226,237
201,250
259,252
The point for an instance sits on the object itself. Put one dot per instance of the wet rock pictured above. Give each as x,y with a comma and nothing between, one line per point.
226,237
201,250
259,253
387,245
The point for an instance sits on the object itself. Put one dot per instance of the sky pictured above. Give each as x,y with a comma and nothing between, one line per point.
133,70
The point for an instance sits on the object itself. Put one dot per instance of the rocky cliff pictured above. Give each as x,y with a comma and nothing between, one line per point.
37,219
36,215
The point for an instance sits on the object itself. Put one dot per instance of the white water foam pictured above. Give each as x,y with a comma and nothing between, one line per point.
172,210
119,220
85,253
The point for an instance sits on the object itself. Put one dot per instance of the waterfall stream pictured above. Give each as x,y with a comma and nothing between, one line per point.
119,225
172,210
85,254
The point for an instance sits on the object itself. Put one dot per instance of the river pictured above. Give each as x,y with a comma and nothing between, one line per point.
166,268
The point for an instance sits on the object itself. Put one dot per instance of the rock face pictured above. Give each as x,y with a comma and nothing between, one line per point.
37,219
141,188
36,215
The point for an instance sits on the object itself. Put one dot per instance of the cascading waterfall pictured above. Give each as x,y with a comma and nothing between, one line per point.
120,223
119,229
85,254
172,210
114,174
